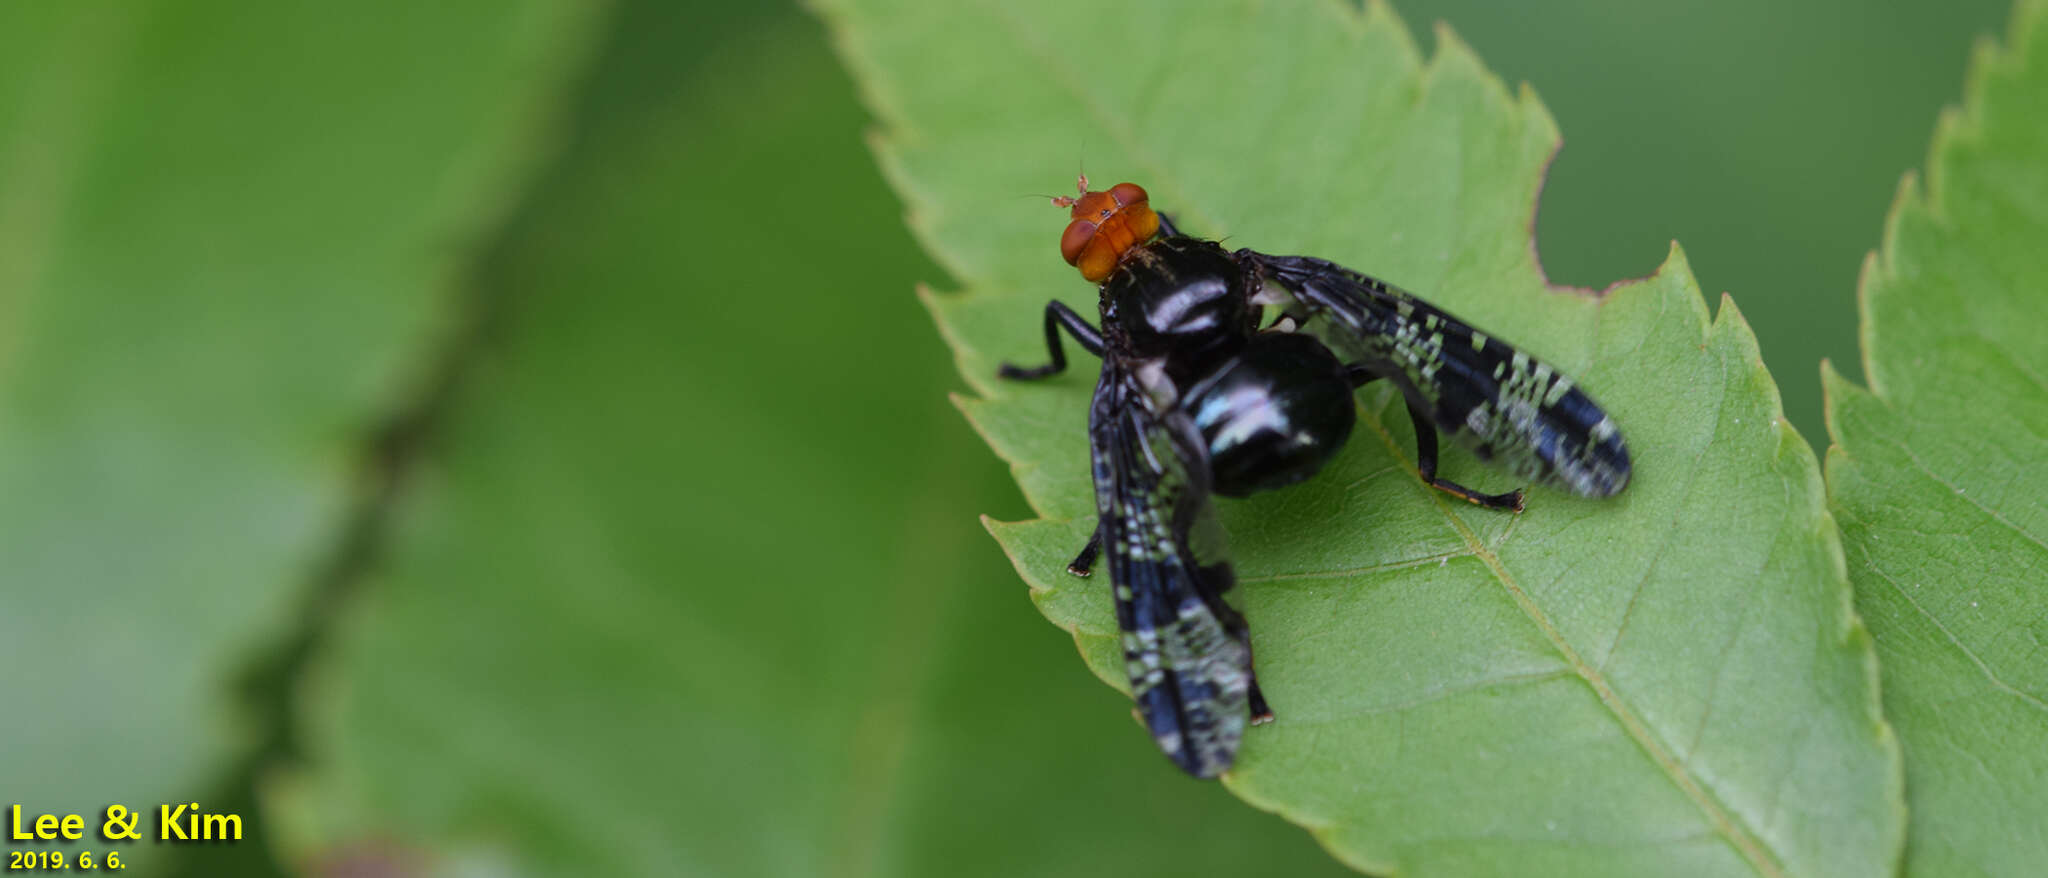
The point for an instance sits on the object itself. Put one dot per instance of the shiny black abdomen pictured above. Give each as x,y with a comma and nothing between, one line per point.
1272,414
1179,298
1273,407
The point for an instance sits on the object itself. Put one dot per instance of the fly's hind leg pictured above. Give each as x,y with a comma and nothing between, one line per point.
1425,461
1261,714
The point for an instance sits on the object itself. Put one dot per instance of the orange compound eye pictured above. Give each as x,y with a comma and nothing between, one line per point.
1076,237
1142,222
1098,260
1107,225
1127,194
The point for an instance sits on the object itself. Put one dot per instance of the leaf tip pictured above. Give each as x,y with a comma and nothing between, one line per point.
1674,267
1837,392
1731,331
1380,15
1675,259
1880,266
1828,374
1904,196
1728,318
1447,39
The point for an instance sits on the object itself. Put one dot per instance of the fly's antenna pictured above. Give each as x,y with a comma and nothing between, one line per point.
1080,186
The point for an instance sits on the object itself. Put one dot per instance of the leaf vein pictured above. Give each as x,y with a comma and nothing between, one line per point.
1442,693
1116,125
1402,564
1967,652
1994,514
1724,822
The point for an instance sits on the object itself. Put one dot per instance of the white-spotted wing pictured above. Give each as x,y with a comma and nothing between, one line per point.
1500,402
1185,649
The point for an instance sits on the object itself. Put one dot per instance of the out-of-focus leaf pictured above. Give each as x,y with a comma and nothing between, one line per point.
226,231
1939,471
687,586
1670,682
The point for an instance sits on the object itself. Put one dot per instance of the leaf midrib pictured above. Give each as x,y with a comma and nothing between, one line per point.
1160,180
1725,823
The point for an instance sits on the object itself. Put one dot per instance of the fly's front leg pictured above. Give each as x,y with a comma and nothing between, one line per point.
1057,316
1425,461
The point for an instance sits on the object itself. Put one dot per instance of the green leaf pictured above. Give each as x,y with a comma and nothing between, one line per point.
1936,471
226,235
685,587
1670,682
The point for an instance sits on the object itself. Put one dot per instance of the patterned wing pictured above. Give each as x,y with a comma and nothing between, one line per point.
1186,651
1503,404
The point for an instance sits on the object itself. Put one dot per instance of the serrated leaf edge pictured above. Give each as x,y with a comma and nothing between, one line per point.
892,129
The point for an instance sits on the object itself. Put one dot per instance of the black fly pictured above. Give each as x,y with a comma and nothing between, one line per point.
1196,399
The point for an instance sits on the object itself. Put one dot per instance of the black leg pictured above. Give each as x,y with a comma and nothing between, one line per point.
1084,563
1425,460
1360,376
1057,315
1166,226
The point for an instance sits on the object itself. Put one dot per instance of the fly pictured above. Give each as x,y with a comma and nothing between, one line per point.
1195,399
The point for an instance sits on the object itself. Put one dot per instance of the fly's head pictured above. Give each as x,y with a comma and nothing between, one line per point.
1105,226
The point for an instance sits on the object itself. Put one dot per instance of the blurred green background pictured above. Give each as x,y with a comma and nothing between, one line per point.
506,440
